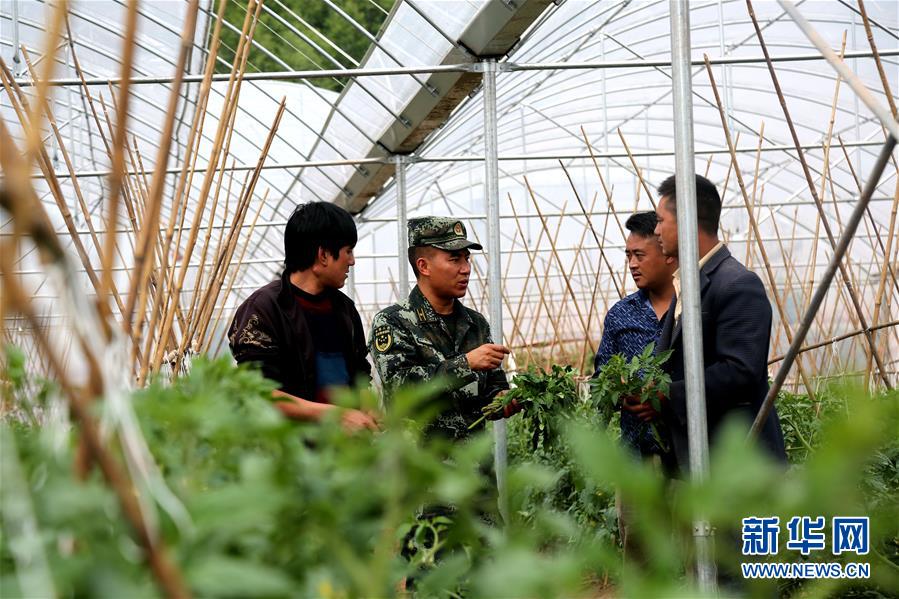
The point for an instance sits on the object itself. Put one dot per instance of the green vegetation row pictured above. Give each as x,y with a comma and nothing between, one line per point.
271,508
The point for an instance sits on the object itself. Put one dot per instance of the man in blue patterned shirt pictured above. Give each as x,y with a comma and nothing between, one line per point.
636,321
633,323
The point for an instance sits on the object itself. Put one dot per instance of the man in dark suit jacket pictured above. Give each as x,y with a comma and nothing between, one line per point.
736,329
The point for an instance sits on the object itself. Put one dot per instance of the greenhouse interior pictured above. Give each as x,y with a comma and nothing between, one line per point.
352,298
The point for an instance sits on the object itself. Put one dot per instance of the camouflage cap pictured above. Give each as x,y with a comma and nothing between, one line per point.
440,232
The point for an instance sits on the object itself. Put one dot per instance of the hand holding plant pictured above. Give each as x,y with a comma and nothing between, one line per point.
638,385
534,390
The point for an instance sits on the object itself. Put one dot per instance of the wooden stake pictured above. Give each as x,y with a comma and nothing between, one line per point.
590,226
217,157
772,281
847,281
144,254
555,253
118,158
637,169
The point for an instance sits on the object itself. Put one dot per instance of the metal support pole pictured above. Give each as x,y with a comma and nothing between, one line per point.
402,239
350,288
494,266
823,286
688,256
17,62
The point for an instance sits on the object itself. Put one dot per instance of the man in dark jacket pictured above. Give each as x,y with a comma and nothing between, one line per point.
736,330
303,332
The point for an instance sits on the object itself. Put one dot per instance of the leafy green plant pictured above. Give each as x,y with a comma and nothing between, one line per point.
23,395
542,394
280,509
641,378
537,438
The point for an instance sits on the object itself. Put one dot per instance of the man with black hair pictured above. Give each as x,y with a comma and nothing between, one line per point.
636,320
736,329
630,325
304,333
432,334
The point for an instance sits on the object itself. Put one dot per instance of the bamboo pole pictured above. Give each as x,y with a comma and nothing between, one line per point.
516,326
119,145
602,252
551,315
217,276
33,143
242,208
532,269
888,264
847,281
790,270
587,343
233,236
857,214
194,337
235,269
93,111
181,196
138,166
772,281
123,188
29,217
480,278
637,170
791,252
881,285
201,271
144,254
602,182
558,259
883,77
218,155
812,265
593,285
730,168
754,197
219,248
51,120
16,101
166,572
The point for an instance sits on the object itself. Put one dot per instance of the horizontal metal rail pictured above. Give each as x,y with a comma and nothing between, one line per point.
393,256
470,158
454,68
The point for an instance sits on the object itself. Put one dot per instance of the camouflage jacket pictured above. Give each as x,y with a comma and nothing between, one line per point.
410,343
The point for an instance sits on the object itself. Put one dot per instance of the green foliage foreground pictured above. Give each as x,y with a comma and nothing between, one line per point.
280,509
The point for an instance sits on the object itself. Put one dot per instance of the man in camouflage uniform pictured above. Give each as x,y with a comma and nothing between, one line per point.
432,334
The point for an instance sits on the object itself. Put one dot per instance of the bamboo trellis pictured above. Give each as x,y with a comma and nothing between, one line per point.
177,294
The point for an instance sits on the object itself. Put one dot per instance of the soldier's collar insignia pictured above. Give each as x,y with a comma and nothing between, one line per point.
383,338
421,313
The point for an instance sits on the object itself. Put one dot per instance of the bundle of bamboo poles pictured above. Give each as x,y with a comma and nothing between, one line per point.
168,308
123,330
164,305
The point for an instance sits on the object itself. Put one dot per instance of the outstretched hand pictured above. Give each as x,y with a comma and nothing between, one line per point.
357,420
